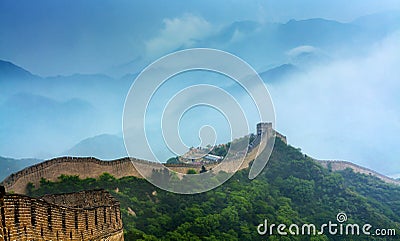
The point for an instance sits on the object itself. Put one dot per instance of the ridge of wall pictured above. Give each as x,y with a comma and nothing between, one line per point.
84,167
90,167
337,165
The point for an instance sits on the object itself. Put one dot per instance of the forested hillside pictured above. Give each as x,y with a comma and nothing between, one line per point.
292,189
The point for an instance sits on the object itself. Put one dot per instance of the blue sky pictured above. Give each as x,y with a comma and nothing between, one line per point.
341,104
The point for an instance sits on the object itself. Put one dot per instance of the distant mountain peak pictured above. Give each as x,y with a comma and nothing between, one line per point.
279,73
10,70
103,146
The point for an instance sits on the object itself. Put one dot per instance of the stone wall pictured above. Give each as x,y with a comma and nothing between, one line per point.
61,217
342,165
282,137
93,168
84,168
90,167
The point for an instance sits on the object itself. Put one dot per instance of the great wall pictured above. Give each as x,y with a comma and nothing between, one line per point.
337,165
88,215
95,215
90,167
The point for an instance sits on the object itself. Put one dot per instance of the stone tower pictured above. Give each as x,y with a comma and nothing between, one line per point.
264,128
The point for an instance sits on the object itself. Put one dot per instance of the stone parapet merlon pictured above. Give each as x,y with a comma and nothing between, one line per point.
88,215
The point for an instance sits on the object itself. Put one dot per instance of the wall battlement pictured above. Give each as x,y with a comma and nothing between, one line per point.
87,215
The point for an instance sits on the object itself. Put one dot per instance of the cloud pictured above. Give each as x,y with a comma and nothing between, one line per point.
300,50
347,109
179,32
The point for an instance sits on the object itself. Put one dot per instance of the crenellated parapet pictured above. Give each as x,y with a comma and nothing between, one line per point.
89,161
74,216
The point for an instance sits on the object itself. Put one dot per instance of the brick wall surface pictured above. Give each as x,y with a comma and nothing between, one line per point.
61,217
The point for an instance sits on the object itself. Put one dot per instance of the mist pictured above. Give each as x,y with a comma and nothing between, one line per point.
347,109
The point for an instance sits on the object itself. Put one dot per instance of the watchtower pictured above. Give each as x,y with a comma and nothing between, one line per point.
264,128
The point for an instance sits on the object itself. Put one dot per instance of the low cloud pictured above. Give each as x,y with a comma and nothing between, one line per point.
300,50
179,32
347,109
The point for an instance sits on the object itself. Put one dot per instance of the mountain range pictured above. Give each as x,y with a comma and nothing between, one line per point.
29,103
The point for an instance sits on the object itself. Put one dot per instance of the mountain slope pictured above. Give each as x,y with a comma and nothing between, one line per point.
11,165
317,32
382,23
278,73
66,108
9,70
102,146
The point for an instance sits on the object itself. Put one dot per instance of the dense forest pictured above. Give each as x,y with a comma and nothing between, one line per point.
292,189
